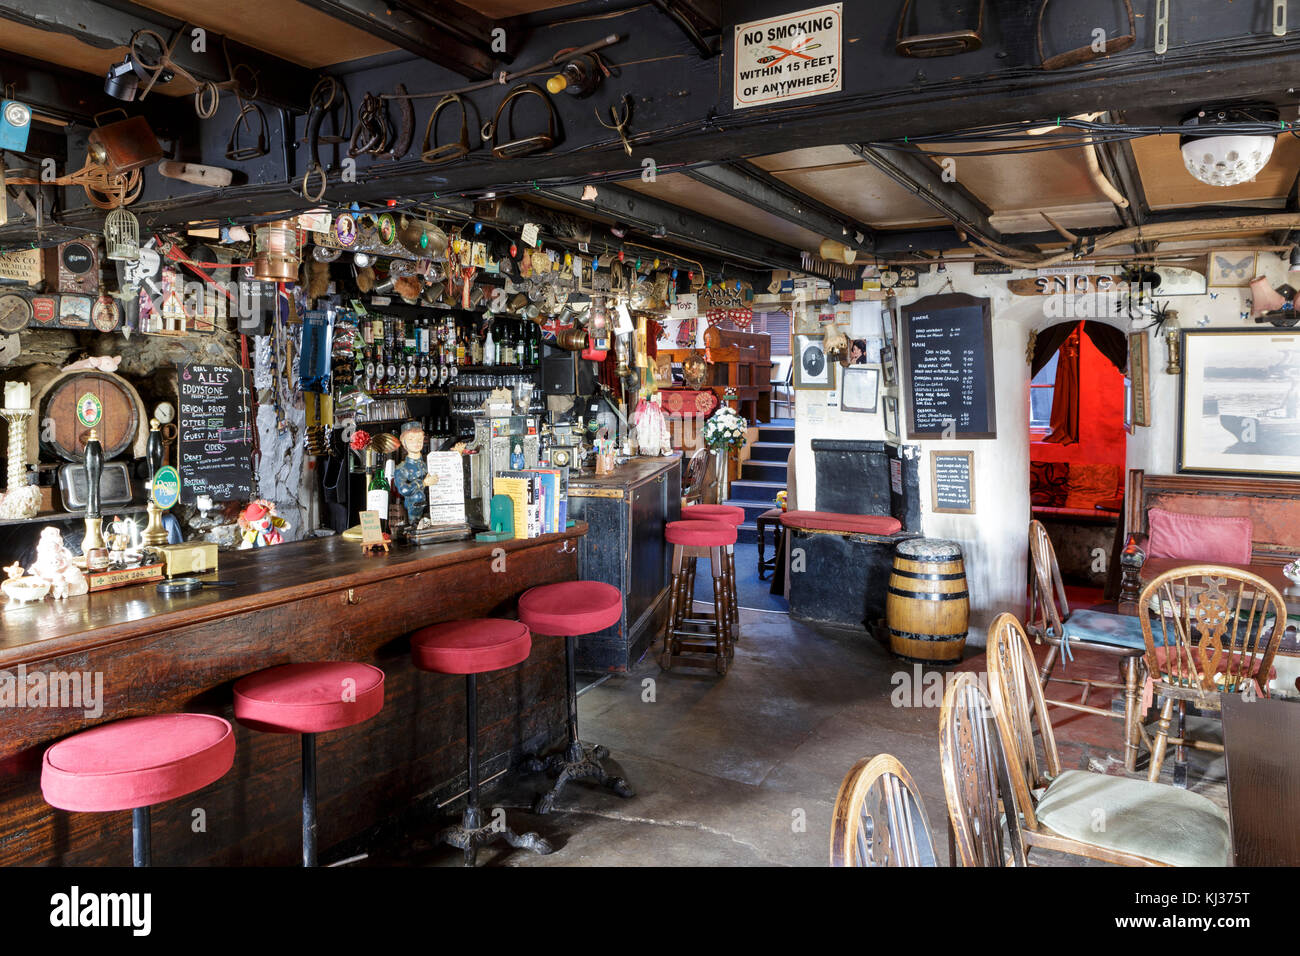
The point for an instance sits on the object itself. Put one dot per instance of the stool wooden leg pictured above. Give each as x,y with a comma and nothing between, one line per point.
578,761
471,834
308,799
141,851
721,610
674,599
733,597
688,606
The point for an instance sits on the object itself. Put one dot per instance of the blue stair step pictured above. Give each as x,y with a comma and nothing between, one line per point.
752,508
747,489
773,471
769,451
776,434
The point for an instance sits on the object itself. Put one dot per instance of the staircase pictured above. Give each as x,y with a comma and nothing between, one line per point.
763,475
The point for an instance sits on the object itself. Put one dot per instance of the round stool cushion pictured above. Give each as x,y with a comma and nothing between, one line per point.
470,647
309,698
700,534
137,762
726,513
571,608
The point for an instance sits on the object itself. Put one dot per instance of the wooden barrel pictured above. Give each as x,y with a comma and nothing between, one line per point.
927,607
112,408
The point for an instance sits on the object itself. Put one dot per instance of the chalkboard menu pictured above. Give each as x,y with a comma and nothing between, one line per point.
948,353
214,433
952,482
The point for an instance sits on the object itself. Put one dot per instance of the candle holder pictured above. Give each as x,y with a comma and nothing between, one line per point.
22,500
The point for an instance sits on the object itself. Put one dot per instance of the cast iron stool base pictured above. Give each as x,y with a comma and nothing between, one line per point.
578,761
471,833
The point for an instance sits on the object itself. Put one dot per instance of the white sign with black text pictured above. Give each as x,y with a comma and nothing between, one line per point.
788,57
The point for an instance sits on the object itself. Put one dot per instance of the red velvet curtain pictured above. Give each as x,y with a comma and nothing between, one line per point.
1065,398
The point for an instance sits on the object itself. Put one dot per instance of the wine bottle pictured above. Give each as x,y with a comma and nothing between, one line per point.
377,493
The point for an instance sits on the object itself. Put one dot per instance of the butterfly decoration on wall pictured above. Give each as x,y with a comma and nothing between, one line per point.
1214,295
1230,270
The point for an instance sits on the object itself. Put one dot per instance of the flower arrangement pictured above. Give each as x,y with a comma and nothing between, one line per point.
724,430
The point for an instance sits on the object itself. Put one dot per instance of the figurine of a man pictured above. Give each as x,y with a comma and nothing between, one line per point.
412,476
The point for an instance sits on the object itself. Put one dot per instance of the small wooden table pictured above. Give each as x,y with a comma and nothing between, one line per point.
769,519
1261,743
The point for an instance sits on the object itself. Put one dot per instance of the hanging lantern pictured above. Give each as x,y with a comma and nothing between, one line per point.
122,235
276,258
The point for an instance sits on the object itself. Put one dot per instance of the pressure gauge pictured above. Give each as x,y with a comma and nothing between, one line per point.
165,412
15,313
560,457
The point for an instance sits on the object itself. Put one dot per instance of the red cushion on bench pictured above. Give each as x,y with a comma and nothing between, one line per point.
848,524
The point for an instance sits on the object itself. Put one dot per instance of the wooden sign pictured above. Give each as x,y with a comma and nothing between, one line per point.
1139,370
1081,284
26,265
952,482
946,343
992,269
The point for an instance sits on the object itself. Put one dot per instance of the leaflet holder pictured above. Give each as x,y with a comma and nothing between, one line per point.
436,155
1086,53
947,43
527,145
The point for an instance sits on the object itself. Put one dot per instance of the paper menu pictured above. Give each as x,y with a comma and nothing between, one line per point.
446,494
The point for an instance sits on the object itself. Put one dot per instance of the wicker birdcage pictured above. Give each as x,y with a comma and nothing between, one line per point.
122,235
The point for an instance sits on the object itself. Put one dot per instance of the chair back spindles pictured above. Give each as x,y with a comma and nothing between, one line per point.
879,818
1048,602
1219,629
982,805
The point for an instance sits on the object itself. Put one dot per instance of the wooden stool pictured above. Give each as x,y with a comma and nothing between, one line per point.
309,699
769,519
133,764
727,514
569,610
472,648
692,540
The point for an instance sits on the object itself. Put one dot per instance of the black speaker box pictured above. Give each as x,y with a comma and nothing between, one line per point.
558,374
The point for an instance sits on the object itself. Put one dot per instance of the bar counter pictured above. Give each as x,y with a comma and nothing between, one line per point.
320,599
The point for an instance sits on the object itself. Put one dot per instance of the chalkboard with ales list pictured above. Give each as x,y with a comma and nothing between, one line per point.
214,433
947,350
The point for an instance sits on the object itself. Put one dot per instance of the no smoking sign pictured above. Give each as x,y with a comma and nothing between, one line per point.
788,57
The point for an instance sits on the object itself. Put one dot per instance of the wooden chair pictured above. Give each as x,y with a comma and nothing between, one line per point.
1093,815
1218,631
975,779
1118,636
700,478
879,818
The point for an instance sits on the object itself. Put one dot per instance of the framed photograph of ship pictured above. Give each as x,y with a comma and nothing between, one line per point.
1240,403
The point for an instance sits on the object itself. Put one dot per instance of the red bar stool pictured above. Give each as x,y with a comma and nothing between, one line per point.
472,648
309,699
134,764
569,610
727,514
691,540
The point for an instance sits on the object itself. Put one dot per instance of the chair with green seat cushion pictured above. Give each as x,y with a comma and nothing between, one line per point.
1153,820
1119,636
1100,817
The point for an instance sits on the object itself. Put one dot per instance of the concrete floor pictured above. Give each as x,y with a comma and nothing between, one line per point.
743,770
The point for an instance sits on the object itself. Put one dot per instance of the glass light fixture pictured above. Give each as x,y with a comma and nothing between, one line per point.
1233,157
276,256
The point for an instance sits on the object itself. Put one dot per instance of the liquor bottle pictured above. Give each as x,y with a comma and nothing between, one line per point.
462,356
489,349
377,492
507,353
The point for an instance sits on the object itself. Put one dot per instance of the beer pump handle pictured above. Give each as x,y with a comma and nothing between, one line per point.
94,469
153,449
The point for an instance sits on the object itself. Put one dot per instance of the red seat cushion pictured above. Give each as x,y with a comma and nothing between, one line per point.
727,513
471,647
834,521
309,698
137,762
1238,666
700,534
571,608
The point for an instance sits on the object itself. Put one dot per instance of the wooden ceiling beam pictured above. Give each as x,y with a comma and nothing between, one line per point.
411,32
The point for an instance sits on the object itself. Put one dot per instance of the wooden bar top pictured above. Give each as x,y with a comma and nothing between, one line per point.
1261,746
264,577
627,475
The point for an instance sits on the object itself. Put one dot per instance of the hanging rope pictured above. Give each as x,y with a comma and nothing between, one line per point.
102,189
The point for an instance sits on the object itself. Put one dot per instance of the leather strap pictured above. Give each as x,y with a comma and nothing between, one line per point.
948,43
436,155
529,144
1086,53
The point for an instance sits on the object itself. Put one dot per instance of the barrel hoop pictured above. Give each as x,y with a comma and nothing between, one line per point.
917,576
929,596
912,635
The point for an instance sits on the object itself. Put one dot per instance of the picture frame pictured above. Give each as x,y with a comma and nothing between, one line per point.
860,389
889,410
812,369
889,366
1231,268
952,482
1239,403
1139,373
807,319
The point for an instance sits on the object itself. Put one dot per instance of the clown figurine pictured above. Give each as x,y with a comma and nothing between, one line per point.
260,525
412,476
